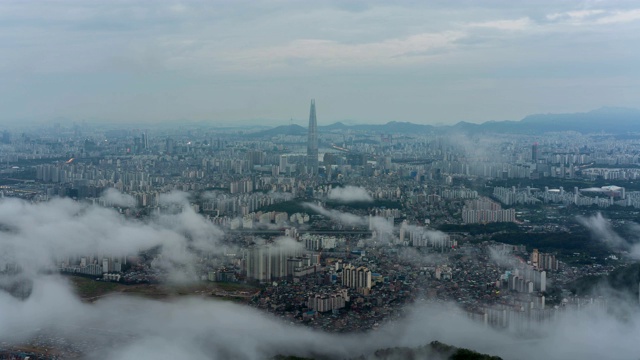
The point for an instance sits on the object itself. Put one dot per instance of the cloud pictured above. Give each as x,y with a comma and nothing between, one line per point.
134,328
288,244
187,54
619,17
349,194
575,15
174,198
602,230
506,25
330,53
342,217
120,327
596,16
40,236
503,259
383,228
381,225
113,197
202,233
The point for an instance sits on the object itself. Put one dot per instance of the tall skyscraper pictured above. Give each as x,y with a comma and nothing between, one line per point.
312,144
534,152
144,140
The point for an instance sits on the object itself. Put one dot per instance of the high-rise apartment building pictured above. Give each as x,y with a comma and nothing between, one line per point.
356,278
543,261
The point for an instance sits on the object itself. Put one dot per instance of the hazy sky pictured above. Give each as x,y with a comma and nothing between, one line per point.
233,61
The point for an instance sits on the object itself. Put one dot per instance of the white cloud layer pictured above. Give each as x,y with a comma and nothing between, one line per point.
135,328
113,197
507,25
349,194
38,235
603,231
341,217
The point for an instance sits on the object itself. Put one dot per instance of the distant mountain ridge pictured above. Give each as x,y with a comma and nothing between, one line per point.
292,129
608,120
390,127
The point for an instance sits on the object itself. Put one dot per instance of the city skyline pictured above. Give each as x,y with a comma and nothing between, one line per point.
471,187
390,228
230,63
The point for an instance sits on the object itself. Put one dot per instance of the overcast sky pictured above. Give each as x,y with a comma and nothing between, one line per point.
233,61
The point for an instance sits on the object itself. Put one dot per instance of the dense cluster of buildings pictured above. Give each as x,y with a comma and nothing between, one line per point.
354,269
358,278
328,302
484,210
600,196
93,265
270,262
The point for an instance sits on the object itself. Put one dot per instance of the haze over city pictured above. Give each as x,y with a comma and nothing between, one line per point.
287,180
231,62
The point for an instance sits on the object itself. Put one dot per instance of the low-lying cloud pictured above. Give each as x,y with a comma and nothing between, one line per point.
134,328
502,258
383,228
603,231
113,197
119,327
339,216
349,194
38,236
